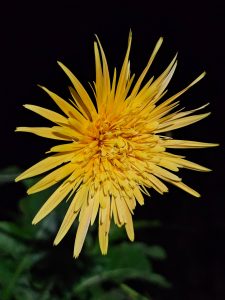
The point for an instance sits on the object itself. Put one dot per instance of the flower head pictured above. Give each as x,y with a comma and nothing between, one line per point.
112,152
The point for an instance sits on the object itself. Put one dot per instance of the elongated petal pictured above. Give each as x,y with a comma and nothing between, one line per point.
66,147
142,76
51,178
45,165
123,74
53,201
105,75
67,222
186,188
67,108
179,144
167,102
175,124
50,133
48,114
193,166
103,229
99,76
83,228
84,97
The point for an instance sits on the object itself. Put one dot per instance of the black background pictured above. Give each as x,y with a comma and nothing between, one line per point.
34,36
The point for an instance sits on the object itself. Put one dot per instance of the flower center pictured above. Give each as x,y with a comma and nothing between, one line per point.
111,143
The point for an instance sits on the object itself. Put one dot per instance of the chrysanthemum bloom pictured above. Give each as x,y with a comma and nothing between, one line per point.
113,151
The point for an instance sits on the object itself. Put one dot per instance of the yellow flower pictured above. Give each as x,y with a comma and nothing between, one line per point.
114,150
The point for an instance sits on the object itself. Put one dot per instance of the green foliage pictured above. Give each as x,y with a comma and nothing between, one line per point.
31,269
8,174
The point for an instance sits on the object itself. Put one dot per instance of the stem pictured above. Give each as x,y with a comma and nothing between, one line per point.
111,274
7,292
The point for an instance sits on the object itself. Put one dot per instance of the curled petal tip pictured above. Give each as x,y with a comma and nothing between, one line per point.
55,243
60,63
130,33
196,194
17,179
214,145
40,86
202,75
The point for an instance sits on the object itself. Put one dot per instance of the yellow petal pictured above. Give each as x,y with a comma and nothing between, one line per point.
164,174
84,97
83,228
174,97
46,132
67,132
67,221
142,76
129,226
53,201
157,184
81,197
51,178
48,114
105,78
179,144
67,147
45,165
68,109
193,166
80,105
138,195
175,124
103,229
186,188
152,91
123,74
99,79
120,209
168,165
114,212
95,209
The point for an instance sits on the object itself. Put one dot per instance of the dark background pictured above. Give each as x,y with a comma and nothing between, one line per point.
34,36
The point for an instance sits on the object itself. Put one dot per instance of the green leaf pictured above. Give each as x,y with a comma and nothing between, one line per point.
30,205
127,255
9,174
118,234
11,246
156,252
22,293
14,230
9,288
6,270
133,295
23,264
123,261
140,224
109,295
159,280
